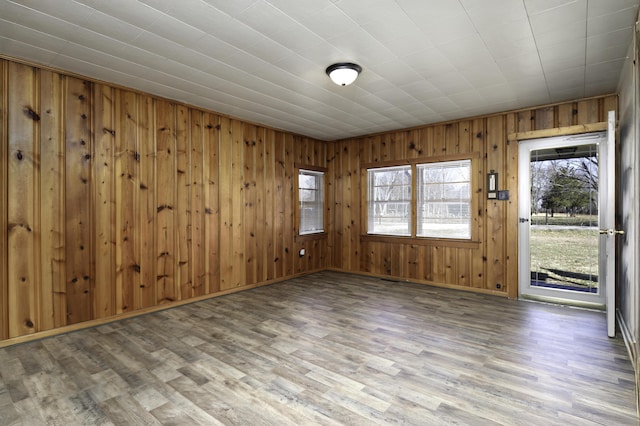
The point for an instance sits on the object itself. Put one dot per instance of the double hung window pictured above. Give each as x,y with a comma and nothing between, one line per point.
431,200
311,201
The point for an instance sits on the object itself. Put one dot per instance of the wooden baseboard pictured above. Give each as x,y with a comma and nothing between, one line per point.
97,322
425,282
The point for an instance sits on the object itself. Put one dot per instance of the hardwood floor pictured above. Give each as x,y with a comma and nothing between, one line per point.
329,348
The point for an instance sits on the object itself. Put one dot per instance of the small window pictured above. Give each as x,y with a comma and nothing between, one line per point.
311,201
444,199
389,201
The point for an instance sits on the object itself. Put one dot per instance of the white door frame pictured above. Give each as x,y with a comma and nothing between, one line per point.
525,289
607,225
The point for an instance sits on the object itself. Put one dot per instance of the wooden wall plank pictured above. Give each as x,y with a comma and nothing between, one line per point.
78,201
146,294
463,267
103,188
23,117
348,258
526,121
4,196
53,302
238,276
268,253
261,237
250,202
610,103
279,197
127,184
511,211
197,252
451,139
567,114
439,143
298,154
545,118
589,111
212,184
495,236
464,137
289,205
336,218
166,285
226,212
183,203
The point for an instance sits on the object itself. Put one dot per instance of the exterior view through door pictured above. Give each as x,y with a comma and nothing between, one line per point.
560,218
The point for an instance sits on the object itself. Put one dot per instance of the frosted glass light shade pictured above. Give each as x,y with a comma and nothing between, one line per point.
343,73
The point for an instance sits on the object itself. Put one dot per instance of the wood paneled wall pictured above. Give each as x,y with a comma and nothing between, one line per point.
115,201
487,261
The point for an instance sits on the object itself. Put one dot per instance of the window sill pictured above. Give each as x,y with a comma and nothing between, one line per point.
419,241
310,237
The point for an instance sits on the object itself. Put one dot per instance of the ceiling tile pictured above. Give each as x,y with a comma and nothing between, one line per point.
542,6
602,24
606,7
233,8
264,60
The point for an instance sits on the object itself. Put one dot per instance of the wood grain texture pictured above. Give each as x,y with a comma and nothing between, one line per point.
489,263
104,166
329,349
4,195
167,289
212,183
183,204
23,167
135,201
147,289
127,184
114,201
79,257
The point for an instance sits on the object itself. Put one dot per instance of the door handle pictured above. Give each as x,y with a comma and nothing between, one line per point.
611,232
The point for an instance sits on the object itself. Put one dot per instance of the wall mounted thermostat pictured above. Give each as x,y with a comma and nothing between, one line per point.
492,185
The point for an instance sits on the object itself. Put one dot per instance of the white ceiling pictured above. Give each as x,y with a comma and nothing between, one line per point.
264,61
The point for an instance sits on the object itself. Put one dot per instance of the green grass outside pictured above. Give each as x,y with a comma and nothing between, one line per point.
566,256
564,219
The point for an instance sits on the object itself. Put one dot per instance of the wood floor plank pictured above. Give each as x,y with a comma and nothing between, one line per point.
329,349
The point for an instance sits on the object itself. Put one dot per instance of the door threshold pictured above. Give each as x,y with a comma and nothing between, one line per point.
564,302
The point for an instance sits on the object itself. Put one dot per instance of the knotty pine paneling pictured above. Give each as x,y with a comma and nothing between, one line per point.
104,193
53,308
114,201
23,168
4,196
147,209
494,257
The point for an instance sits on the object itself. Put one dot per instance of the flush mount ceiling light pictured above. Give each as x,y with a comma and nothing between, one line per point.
343,73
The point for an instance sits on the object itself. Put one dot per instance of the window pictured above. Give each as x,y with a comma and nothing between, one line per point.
430,200
389,200
311,201
444,199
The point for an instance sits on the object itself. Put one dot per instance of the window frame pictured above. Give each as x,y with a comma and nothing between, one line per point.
409,225
315,234
420,197
475,202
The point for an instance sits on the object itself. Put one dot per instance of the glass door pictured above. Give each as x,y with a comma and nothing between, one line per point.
559,215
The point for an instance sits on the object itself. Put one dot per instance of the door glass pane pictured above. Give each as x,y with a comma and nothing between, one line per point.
564,218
